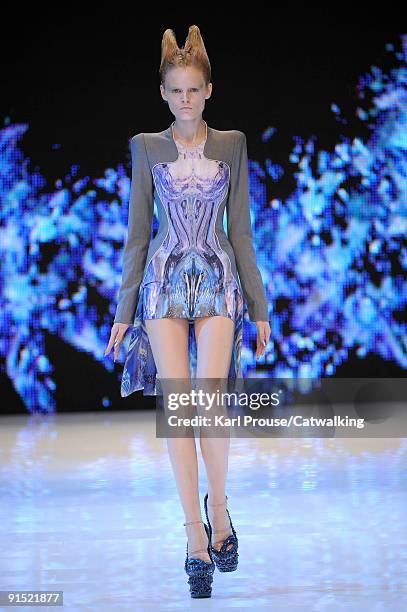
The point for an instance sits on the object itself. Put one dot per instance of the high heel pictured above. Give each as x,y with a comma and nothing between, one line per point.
200,572
226,559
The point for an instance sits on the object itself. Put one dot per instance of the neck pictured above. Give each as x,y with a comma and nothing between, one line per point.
189,134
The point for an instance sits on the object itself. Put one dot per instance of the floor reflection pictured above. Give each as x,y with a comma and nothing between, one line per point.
90,507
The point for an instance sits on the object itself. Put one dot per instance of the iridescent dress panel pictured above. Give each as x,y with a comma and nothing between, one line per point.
189,275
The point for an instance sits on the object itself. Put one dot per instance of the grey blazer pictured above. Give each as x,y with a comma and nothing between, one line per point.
149,149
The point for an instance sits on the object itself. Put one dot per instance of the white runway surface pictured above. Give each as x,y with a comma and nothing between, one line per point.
89,506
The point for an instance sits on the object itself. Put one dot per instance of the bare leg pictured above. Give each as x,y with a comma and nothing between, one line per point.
215,344
167,336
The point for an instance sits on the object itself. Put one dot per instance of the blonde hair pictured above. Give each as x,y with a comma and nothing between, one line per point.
193,53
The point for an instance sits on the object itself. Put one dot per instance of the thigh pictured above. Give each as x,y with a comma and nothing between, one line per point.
214,340
169,344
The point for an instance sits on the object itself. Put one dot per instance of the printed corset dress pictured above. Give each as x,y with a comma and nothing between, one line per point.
189,275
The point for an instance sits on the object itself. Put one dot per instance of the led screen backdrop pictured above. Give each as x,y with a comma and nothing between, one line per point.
330,245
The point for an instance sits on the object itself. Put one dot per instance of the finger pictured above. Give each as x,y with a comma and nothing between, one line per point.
261,347
116,345
113,338
110,344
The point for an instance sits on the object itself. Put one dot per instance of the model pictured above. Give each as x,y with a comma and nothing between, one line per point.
181,291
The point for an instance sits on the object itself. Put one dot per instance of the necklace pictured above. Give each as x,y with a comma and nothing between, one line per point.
190,146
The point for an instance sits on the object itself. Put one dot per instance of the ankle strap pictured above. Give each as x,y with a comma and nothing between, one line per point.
192,552
221,504
192,522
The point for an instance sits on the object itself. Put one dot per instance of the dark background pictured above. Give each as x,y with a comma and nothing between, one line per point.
88,82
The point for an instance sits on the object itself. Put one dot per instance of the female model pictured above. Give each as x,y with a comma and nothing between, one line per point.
181,290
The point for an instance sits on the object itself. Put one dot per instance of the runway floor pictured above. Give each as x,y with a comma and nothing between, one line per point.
89,506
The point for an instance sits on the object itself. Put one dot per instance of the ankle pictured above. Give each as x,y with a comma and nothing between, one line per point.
217,501
192,522
195,530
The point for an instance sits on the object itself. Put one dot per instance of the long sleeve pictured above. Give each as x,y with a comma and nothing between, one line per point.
140,214
240,233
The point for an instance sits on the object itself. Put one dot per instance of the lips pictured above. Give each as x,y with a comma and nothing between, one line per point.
186,108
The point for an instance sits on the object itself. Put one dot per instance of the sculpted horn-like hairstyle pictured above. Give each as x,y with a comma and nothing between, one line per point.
192,54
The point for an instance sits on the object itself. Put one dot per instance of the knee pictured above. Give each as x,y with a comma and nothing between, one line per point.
212,385
178,397
211,398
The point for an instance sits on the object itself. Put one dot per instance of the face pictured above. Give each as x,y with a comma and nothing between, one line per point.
185,87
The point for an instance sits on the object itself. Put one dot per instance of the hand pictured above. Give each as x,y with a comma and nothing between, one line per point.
116,338
263,336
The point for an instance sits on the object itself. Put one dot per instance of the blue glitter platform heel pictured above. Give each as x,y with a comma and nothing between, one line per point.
200,572
226,558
